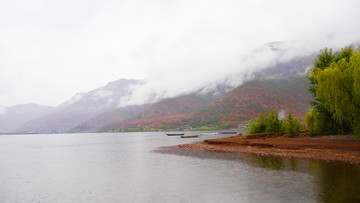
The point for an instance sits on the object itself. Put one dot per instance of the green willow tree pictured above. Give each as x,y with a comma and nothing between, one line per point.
335,84
319,118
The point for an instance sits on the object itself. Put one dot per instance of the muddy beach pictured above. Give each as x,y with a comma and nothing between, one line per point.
329,149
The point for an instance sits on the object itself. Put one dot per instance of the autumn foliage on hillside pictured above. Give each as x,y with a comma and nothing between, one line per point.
238,106
169,112
248,100
117,116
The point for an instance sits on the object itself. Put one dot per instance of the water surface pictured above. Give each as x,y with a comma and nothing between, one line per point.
138,167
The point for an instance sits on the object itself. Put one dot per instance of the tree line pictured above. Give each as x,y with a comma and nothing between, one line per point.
334,82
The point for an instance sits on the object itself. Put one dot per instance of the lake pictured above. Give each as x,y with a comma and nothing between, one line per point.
140,167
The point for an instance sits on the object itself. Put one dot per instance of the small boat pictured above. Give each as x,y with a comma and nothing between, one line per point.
174,134
189,136
208,133
226,132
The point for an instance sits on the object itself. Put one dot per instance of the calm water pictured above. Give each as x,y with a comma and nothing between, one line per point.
136,167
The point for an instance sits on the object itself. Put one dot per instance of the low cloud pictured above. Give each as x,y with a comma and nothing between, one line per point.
177,46
74,99
2,110
217,70
102,93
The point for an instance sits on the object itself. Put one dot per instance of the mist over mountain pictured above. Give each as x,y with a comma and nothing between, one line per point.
163,112
81,107
109,119
296,66
257,96
15,116
108,96
232,71
188,107
135,103
243,103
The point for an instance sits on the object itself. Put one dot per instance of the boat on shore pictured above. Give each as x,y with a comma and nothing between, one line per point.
174,134
227,132
208,133
189,136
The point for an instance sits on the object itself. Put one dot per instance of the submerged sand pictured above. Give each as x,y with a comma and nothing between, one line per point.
314,148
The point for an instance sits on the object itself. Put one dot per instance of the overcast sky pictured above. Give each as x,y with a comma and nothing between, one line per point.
50,50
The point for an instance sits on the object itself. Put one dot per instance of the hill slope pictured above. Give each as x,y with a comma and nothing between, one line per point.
109,119
14,116
81,107
240,105
248,100
168,111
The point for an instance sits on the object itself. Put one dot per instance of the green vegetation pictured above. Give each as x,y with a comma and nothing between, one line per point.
211,120
267,123
213,127
165,127
293,126
141,129
225,125
335,85
206,128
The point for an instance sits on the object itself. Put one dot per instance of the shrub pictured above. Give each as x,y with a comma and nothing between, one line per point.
293,126
258,126
273,122
266,123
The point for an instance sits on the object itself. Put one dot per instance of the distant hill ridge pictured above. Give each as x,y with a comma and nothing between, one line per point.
80,108
98,110
240,105
13,117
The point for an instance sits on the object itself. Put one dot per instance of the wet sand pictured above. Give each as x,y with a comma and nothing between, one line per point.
313,148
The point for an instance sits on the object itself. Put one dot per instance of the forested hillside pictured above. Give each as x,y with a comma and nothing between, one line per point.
248,100
238,106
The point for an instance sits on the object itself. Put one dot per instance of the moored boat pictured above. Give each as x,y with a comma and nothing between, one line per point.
174,134
189,136
227,132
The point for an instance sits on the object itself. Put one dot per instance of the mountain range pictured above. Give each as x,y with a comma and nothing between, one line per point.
79,108
14,116
279,86
243,103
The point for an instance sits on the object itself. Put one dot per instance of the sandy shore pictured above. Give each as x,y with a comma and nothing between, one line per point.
313,148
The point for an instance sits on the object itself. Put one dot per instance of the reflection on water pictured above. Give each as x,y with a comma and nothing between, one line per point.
268,162
278,163
333,181
336,182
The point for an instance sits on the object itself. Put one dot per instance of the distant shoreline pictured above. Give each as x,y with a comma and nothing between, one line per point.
311,148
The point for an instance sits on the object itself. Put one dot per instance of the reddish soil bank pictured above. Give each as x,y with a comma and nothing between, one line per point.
315,148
